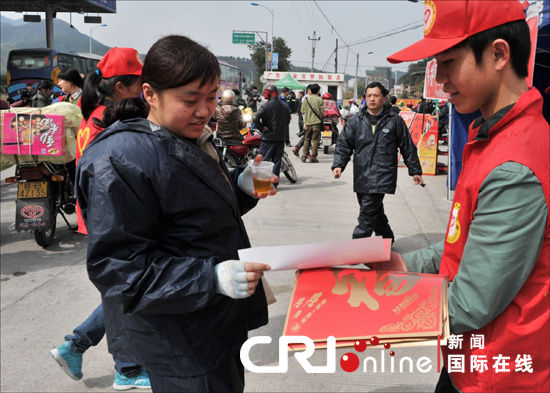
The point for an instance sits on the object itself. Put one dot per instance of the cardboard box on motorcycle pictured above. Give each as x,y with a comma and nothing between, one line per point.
29,136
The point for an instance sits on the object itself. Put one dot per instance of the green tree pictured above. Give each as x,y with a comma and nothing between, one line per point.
257,54
415,77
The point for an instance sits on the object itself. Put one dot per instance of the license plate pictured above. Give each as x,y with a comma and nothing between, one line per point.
34,189
326,134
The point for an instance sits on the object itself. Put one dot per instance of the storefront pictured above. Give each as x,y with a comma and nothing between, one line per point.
333,83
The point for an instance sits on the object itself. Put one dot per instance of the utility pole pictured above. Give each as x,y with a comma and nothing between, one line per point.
313,41
356,80
336,57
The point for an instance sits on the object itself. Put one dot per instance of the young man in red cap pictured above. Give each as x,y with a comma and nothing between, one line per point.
497,247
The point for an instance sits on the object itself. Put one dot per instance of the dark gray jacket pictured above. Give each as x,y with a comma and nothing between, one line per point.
274,115
375,156
160,215
40,100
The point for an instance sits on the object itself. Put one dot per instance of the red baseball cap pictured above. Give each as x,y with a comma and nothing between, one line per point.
120,61
449,22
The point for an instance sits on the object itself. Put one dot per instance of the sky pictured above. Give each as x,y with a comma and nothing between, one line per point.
139,24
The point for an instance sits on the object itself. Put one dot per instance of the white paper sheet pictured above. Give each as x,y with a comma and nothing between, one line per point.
309,256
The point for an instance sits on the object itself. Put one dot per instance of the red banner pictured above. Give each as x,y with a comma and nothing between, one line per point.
432,89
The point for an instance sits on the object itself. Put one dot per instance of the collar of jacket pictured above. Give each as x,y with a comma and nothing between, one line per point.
486,125
186,151
382,115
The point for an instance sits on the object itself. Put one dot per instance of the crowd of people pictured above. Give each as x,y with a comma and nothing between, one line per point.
177,303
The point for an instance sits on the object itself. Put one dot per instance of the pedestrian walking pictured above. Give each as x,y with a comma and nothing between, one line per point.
272,119
164,220
373,138
313,110
116,78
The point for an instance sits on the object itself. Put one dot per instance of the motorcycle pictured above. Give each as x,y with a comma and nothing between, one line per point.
43,191
329,135
238,155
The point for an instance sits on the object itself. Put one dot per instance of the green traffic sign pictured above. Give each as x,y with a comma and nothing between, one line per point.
243,38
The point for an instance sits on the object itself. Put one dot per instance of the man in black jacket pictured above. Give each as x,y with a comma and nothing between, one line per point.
253,98
373,137
272,119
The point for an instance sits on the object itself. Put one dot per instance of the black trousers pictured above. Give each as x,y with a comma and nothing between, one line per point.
444,385
227,378
273,151
372,217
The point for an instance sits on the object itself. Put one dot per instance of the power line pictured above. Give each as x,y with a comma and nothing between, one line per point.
310,14
331,25
383,35
299,19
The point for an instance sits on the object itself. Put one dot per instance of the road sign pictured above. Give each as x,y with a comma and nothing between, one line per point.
243,38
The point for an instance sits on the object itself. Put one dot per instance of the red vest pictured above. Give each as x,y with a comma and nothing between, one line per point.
523,328
86,133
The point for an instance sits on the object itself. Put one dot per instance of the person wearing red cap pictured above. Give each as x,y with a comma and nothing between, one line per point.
497,247
164,219
116,78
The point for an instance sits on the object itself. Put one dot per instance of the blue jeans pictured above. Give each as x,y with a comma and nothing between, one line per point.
90,332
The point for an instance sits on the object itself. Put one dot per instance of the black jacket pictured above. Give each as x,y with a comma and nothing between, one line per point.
274,115
375,156
40,100
160,215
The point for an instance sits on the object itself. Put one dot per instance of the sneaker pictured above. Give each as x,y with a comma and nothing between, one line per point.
313,160
69,360
296,151
124,383
303,159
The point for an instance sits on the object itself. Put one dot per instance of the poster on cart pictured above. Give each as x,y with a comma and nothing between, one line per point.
32,134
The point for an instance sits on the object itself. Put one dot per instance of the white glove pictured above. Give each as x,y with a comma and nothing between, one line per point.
231,279
245,182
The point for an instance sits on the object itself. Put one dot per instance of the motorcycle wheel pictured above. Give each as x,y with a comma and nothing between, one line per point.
325,149
288,170
230,161
44,238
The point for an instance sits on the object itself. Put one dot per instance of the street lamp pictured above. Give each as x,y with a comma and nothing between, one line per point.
271,12
356,76
91,30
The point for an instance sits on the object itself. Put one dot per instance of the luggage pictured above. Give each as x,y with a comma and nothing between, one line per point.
22,134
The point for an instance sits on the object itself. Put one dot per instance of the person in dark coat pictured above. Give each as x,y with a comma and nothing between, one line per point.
272,119
373,137
43,94
164,221
253,98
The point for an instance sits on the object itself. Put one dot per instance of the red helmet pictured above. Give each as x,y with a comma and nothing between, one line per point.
327,96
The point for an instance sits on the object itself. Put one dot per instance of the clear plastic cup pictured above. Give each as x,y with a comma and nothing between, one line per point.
261,175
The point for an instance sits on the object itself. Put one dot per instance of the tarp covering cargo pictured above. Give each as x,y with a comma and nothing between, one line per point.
29,136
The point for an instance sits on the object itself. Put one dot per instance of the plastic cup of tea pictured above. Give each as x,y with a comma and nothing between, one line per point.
261,175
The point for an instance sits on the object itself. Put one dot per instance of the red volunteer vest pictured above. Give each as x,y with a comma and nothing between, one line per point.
86,133
523,328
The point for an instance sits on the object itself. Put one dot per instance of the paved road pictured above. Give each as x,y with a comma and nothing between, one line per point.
46,293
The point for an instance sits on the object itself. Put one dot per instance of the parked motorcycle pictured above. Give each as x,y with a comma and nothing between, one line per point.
329,135
43,190
238,155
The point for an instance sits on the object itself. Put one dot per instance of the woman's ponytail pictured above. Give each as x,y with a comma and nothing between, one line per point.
128,108
90,98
